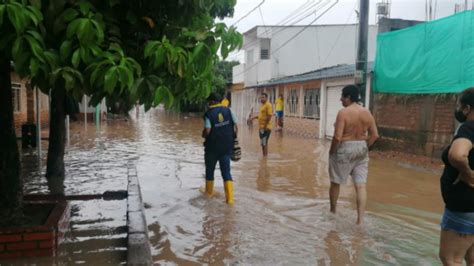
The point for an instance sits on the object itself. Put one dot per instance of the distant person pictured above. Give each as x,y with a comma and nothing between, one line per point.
225,102
457,188
354,132
264,122
220,129
279,103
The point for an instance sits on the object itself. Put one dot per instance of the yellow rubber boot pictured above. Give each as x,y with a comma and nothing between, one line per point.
229,192
209,188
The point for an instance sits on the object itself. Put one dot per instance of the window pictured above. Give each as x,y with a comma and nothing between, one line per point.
16,97
264,49
292,102
311,103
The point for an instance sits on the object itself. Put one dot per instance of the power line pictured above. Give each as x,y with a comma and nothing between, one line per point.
299,32
290,39
295,11
309,11
340,34
263,21
250,12
283,28
289,19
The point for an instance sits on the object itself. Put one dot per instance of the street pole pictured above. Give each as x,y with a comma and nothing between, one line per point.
38,124
68,139
361,61
84,107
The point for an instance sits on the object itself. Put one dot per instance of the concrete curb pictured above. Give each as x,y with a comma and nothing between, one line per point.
138,245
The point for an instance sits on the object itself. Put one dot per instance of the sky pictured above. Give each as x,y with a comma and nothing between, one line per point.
272,12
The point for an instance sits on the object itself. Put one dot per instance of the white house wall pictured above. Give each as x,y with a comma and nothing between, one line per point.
238,74
243,103
316,47
329,109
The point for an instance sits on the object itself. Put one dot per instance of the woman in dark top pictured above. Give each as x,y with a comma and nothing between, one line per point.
457,188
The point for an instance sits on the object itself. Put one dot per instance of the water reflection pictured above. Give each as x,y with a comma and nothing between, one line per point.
263,177
281,212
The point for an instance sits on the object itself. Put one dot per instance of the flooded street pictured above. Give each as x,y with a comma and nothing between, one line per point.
281,206
281,211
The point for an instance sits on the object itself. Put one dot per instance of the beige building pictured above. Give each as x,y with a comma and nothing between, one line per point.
24,104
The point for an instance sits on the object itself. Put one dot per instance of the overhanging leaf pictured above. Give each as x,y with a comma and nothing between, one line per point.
65,50
75,60
2,12
110,80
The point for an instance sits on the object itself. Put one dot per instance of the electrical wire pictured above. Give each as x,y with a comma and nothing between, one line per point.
246,15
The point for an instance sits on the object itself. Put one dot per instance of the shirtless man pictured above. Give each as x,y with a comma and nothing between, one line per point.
354,132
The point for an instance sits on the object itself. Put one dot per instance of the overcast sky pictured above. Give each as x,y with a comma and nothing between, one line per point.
274,11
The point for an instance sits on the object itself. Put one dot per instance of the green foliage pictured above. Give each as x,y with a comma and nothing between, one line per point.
21,41
144,51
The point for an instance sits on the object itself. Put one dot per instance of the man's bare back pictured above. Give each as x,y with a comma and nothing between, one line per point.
358,122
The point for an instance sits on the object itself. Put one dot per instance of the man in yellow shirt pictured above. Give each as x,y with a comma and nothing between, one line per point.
264,122
279,112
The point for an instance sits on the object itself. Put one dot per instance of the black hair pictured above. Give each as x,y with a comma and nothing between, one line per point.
467,97
264,94
351,91
214,97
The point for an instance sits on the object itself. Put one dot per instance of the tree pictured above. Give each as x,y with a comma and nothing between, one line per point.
18,23
222,77
144,51
111,42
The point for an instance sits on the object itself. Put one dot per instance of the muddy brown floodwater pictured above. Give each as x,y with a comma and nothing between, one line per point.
280,216
281,211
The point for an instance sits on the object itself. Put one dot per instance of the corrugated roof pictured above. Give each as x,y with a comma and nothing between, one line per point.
328,72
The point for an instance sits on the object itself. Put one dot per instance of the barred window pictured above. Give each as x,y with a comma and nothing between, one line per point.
16,97
264,54
292,102
311,103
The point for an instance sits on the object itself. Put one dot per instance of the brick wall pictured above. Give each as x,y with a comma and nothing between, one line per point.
28,106
301,126
416,124
36,241
36,244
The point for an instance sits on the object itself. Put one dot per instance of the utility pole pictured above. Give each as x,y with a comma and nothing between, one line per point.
361,61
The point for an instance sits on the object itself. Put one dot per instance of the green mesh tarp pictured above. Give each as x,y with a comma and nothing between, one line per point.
433,57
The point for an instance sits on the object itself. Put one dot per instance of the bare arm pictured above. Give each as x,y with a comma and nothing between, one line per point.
338,132
373,132
458,158
206,132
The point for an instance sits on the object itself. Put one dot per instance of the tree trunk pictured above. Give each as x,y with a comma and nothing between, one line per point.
57,141
10,181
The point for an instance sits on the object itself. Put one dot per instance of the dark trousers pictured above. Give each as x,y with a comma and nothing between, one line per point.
211,160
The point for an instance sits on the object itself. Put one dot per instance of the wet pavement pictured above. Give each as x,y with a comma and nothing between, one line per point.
281,212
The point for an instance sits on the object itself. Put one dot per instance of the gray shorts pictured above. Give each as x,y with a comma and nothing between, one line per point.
351,158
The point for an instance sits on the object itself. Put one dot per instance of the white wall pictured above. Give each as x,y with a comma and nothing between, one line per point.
238,74
327,120
316,47
244,102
